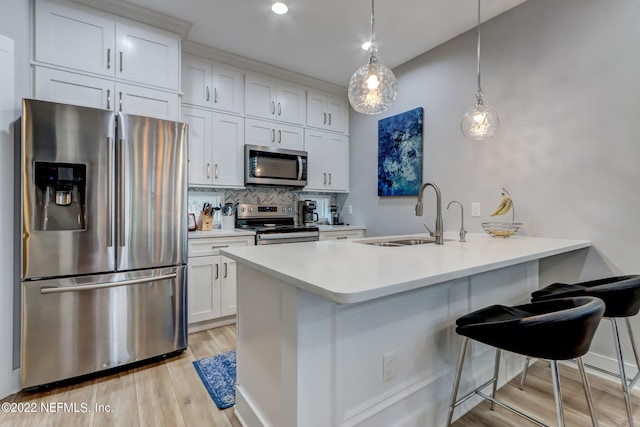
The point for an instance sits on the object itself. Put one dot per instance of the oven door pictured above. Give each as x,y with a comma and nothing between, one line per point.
277,238
275,166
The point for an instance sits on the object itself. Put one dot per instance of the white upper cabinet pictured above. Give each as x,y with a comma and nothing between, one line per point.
216,148
73,38
147,55
328,161
72,88
327,112
266,133
209,84
274,99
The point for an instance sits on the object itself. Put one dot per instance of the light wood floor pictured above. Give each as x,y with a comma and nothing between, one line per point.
170,393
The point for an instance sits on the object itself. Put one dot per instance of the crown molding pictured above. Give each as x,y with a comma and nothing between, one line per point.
141,14
249,64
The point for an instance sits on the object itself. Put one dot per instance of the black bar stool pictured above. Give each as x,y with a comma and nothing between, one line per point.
559,329
621,295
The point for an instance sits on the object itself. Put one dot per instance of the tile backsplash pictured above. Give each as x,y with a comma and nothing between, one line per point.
255,195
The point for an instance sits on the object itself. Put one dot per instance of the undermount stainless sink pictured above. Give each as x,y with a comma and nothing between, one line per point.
397,242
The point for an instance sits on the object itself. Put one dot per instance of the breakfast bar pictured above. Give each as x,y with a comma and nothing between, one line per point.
350,333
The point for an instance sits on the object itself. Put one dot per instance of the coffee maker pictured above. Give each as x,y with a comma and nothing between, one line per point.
334,217
307,214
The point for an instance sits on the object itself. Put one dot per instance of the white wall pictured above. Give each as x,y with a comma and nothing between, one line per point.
15,25
563,76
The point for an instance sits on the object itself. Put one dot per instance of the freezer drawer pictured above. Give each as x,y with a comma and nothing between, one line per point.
76,326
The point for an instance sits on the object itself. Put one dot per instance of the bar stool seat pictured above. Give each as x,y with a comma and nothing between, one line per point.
621,295
558,329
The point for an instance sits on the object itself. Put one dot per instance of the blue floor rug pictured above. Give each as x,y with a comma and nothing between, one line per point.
218,373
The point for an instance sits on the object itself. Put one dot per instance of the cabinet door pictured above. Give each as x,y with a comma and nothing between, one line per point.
259,97
71,88
228,89
196,81
74,39
336,160
290,137
316,112
147,102
316,175
228,150
258,132
291,105
228,286
203,291
200,145
148,56
337,115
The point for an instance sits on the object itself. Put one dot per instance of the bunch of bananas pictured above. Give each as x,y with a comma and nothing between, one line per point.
505,204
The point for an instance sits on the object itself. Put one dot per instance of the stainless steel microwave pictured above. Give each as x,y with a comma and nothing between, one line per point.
274,166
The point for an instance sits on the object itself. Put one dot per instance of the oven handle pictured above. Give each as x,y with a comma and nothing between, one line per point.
297,234
105,285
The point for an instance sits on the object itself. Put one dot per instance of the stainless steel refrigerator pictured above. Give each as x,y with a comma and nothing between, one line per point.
104,239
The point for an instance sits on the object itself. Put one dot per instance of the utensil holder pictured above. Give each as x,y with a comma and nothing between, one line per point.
228,222
205,222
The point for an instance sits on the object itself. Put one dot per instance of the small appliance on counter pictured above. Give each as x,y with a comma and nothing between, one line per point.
334,217
307,214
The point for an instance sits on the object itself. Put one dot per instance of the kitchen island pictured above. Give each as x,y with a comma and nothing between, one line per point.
317,320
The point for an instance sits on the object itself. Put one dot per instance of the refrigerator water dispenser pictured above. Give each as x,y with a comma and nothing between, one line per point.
60,196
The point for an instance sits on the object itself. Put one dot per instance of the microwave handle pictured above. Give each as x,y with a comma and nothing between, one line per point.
299,168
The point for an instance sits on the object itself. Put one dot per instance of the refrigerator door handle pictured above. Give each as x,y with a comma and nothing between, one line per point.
121,189
110,166
46,290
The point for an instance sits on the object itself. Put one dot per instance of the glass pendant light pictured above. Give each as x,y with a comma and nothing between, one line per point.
373,87
481,121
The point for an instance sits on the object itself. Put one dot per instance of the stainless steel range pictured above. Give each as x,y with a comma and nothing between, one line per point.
274,224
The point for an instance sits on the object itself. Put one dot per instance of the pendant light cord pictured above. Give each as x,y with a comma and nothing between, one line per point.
479,91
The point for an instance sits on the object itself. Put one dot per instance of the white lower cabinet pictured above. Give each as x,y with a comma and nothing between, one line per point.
212,278
341,234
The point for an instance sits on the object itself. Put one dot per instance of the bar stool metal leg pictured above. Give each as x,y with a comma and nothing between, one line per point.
456,383
633,344
496,371
623,375
557,393
587,392
523,376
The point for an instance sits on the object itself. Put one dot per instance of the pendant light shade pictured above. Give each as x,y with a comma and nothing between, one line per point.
373,87
481,121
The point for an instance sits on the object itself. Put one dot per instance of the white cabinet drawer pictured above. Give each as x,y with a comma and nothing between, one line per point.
341,235
212,246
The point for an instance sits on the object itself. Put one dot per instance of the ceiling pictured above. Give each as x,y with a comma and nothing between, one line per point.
323,38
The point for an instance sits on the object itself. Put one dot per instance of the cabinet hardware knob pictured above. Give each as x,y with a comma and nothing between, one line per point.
120,61
225,270
208,170
108,58
279,136
273,107
325,118
329,119
217,271
216,171
120,100
108,99
324,181
207,95
215,95
329,178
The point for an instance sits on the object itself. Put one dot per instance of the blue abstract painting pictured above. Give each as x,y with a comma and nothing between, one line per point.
400,154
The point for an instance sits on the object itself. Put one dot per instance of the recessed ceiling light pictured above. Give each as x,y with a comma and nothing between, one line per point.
279,8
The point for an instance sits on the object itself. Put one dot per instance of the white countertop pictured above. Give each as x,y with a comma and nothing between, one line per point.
324,227
219,232
350,272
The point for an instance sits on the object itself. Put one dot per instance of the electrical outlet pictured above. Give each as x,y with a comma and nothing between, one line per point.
475,209
350,210
388,366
